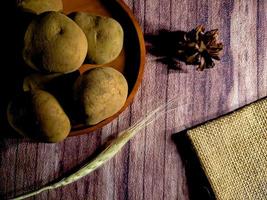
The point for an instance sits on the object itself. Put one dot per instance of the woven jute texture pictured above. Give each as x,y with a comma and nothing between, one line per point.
233,152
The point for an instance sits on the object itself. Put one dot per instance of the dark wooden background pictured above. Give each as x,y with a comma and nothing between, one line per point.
150,167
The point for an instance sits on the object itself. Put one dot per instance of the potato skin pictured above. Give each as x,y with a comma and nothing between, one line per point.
104,36
38,115
102,92
19,115
54,123
40,6
38,81
54,43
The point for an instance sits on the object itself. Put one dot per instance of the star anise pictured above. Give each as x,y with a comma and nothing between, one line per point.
199,48
195,47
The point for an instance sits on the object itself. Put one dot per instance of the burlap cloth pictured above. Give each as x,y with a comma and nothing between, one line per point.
233,152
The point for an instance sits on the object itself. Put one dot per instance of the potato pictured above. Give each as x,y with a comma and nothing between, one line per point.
40,6
54,43
101,92
104,36
38,115
38,81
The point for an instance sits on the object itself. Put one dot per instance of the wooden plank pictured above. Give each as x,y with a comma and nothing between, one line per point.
243,47
261,47
150,167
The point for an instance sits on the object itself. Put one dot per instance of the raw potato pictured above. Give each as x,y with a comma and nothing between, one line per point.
104,36
38,115
54,43
40,6
102,92
37,81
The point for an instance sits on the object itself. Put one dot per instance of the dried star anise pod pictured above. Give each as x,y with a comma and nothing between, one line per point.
199,48
195,47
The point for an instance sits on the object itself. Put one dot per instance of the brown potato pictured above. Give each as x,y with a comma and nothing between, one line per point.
104,36
101,92
38,81
40,6
38,115
54,43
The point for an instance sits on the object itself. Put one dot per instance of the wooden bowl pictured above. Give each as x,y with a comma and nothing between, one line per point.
130,61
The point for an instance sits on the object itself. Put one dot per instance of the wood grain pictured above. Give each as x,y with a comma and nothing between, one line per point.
150,167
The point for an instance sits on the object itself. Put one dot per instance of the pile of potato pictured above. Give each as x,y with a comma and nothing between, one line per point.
54,46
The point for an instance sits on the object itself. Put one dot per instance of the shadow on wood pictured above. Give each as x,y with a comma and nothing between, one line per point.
163,46
198,185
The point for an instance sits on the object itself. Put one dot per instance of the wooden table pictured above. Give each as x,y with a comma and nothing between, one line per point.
150,167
